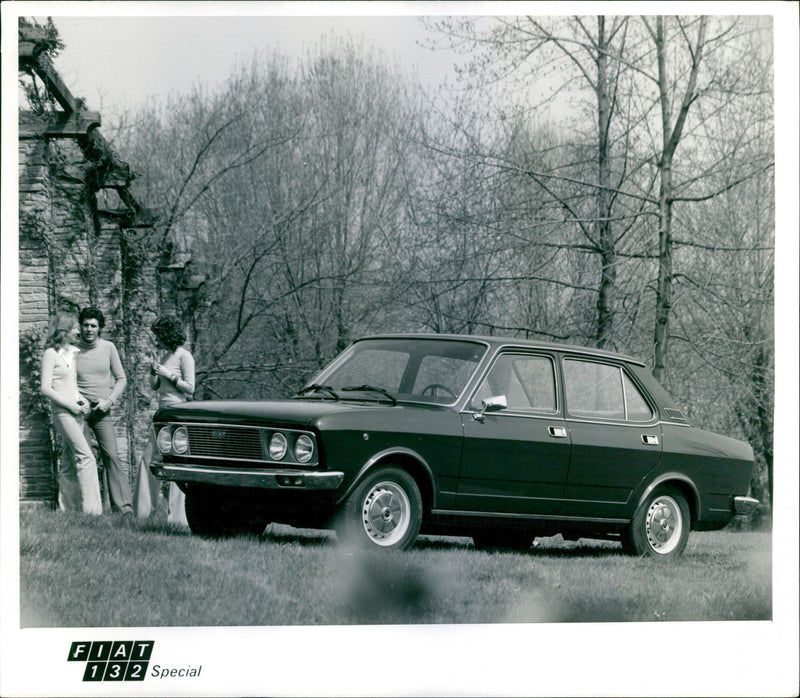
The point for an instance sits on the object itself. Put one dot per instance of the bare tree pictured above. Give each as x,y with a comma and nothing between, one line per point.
585,174
278,184
689,78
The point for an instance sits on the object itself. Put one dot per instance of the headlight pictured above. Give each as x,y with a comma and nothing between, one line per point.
303,448
180,440
277,446
164,439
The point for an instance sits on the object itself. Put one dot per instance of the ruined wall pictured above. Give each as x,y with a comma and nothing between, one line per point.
72,255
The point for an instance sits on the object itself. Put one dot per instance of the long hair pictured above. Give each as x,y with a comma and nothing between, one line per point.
169,331
59,327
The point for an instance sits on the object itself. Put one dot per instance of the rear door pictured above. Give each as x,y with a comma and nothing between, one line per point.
616,437
515,460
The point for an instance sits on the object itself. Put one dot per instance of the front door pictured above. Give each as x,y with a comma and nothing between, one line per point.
515,460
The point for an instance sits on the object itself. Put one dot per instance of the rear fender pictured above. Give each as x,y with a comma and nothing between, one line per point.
683,483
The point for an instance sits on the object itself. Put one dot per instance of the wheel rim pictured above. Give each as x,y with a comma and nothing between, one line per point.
664,525
385,513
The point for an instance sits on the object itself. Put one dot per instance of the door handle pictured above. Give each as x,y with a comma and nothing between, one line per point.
649,439
557,432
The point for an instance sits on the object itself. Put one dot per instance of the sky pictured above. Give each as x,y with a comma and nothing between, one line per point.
115,63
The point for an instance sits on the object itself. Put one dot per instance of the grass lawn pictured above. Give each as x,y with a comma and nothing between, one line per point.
108,571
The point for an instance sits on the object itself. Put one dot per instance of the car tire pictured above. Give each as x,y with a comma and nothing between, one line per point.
660,527
384,512
218,515
502,539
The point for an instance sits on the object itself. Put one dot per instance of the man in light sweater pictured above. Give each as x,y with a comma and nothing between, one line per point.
101,379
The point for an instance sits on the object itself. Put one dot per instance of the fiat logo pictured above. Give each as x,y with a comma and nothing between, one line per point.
219,434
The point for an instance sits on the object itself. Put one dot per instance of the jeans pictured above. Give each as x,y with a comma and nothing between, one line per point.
116,477
78,485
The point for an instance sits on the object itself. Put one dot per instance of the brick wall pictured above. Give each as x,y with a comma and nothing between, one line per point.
35,451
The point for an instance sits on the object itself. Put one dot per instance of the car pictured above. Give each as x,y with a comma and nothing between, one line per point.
499,439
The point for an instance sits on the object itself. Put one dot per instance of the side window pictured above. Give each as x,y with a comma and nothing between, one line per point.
637,407
528,382
594,390
601,391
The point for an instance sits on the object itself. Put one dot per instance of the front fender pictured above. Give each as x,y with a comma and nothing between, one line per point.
427,442
398,455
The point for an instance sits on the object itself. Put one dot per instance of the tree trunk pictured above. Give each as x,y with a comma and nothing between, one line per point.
671,136
606,300
664,284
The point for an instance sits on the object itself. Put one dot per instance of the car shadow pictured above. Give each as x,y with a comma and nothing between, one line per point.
288,535
576,550
552,547
282,534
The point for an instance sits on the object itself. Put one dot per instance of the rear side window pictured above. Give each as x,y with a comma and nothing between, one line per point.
602,391
637,408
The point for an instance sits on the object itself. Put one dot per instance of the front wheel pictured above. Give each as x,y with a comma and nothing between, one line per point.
384,511
660,526
217,514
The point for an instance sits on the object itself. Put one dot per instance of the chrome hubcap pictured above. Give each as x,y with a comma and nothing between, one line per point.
385,513
664,525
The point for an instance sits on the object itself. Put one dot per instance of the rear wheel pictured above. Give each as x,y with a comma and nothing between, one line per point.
217,514
660,526
384,511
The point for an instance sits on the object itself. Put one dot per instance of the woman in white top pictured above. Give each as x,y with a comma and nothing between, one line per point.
78,483
172,375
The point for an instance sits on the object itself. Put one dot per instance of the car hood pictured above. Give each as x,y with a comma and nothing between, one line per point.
268,412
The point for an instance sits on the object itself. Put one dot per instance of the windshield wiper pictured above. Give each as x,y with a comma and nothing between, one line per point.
317,388
372,389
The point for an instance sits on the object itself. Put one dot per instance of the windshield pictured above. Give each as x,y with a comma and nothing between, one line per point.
423,370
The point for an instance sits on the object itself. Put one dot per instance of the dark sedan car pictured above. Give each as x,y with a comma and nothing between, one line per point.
499,439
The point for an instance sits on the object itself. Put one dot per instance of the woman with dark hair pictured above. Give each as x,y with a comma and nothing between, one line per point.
78,483
172,367
172,375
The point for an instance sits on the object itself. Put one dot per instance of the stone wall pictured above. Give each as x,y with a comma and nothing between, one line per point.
72,255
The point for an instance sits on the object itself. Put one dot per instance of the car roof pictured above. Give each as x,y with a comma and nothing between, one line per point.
495,343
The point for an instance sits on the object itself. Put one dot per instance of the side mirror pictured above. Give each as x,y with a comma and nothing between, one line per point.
491,404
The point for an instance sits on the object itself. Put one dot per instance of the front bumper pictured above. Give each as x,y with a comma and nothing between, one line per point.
745,505
266,478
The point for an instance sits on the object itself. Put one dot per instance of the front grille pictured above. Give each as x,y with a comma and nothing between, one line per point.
219,441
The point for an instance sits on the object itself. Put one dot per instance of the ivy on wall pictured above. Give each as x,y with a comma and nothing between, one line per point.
32,404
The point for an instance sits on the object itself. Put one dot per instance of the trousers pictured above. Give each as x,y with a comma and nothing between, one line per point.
78,484
148,492
115,474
